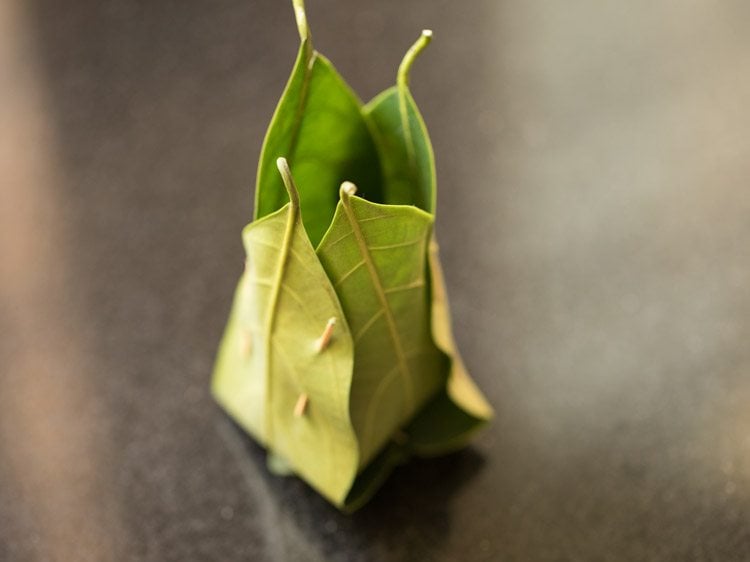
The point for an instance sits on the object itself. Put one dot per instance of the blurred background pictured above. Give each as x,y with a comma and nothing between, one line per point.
594,216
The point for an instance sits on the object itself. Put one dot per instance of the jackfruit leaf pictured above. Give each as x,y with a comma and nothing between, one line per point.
376,257
390,382
282,306
402,140
450,420
319,128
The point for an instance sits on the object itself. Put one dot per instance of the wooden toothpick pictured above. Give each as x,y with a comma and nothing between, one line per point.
322,342
246,343
301,405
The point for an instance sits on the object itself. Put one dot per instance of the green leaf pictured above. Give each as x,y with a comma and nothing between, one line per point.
451,419
375,256
269,357
402,140
319,128
341,360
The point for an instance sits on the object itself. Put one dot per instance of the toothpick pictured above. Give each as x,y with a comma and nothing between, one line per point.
322,342
301,405
246,343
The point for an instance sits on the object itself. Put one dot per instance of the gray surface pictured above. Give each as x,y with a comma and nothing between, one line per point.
593,161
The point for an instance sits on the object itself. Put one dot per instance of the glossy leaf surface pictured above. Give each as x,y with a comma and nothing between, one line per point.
319,128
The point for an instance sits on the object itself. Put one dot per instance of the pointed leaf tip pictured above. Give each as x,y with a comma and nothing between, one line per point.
286,177
413,52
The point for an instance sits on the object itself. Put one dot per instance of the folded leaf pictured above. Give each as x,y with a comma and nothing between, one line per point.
318,127
450,420
269,358
402,140
409,175
375,255
340,360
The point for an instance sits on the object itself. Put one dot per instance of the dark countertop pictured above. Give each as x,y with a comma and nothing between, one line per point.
594,216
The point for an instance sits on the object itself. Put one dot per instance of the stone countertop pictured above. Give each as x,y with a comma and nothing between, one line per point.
594,217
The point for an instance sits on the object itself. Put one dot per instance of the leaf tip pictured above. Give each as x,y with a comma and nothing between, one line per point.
282,165
301,17
286,177
347,189
413,52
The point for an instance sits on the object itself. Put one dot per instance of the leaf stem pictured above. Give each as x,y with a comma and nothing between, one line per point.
301,17
402,79
291,223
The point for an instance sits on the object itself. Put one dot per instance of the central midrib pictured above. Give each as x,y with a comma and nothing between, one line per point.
378,286
271,315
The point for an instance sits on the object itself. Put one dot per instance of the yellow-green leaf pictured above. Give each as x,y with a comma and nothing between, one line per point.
340,360
375,256
409,176
269,358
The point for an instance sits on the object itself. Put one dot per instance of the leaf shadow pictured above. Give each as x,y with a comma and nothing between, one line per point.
411,515
408,519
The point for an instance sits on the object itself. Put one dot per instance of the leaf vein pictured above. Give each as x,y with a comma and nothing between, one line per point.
397,245
260,281
292,293
377,284
375,218
413,285
376,397
367,325
266,243
346,275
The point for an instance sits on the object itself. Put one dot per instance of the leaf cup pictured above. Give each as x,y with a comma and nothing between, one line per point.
338,355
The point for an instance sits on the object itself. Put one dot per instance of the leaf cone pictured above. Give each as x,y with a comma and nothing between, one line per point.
339,359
